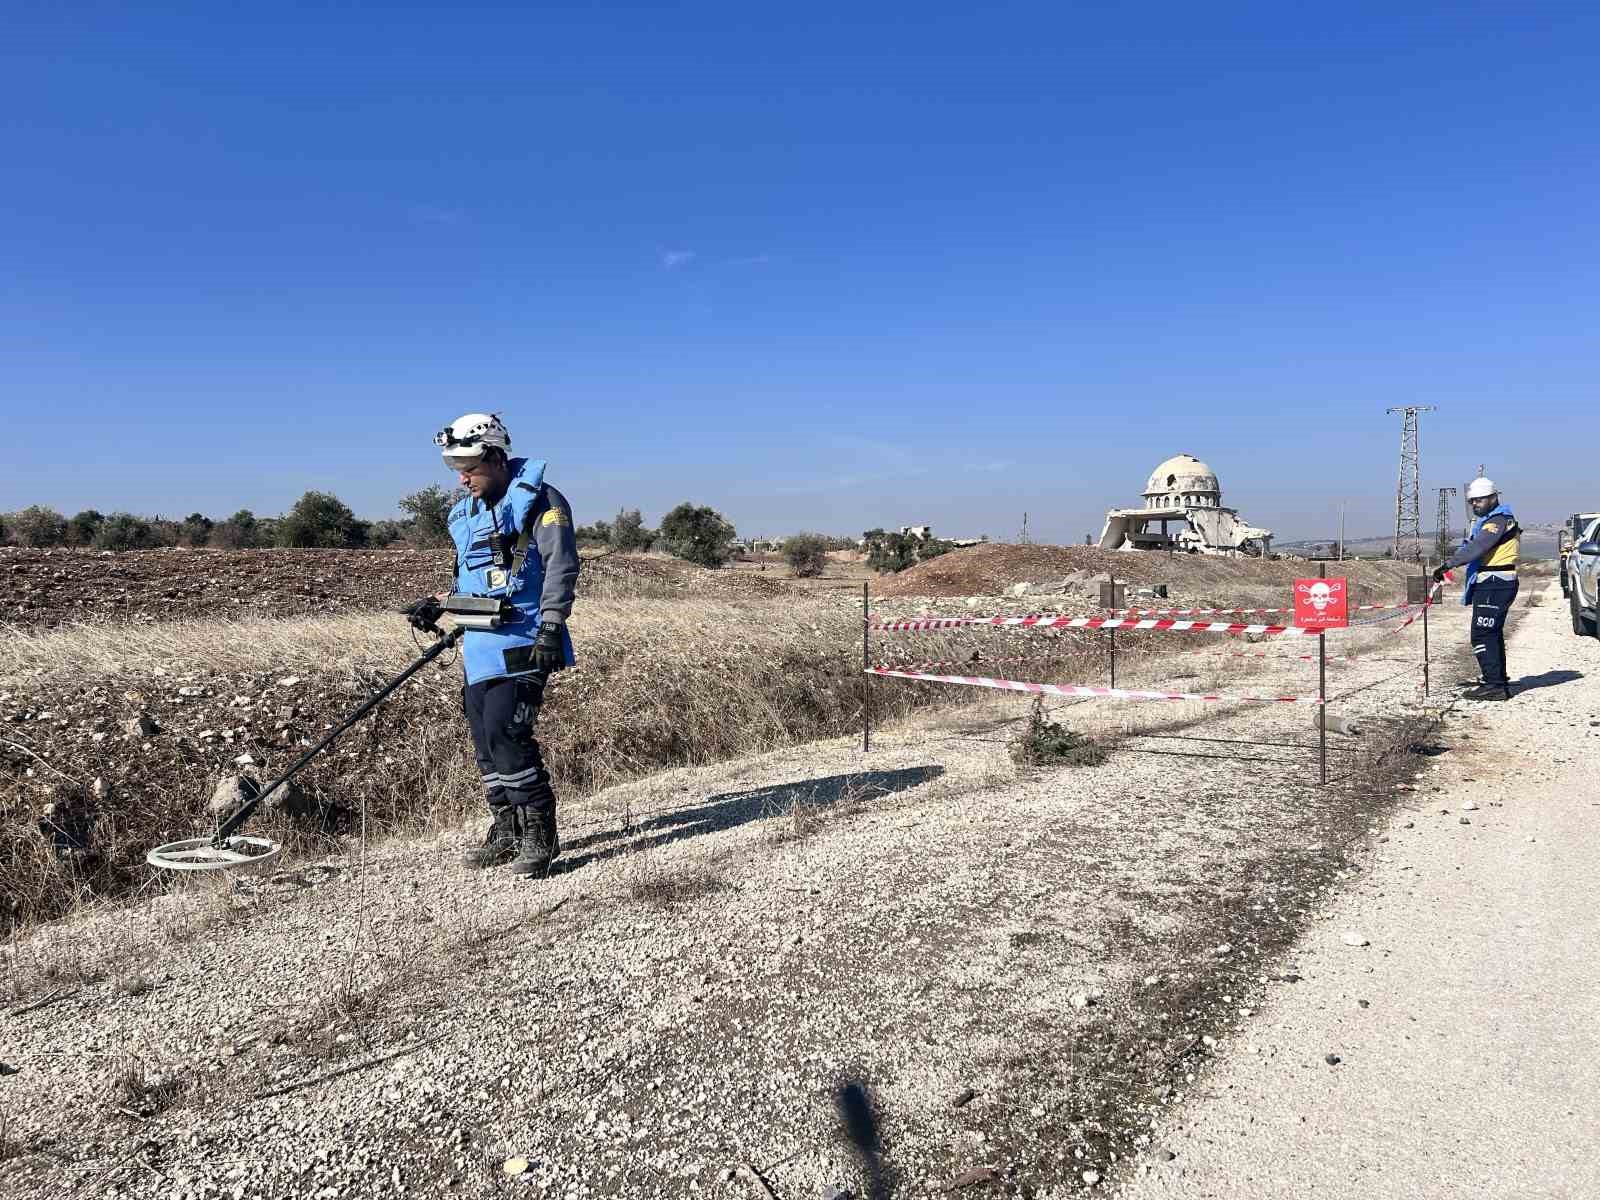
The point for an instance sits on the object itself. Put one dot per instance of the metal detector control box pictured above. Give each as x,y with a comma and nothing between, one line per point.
479,612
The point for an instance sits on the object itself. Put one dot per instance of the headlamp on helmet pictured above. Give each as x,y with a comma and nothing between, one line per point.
463,442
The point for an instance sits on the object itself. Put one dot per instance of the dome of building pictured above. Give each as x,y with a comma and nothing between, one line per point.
1183,482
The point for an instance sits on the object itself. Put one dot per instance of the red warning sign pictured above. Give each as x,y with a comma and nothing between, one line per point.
1321,603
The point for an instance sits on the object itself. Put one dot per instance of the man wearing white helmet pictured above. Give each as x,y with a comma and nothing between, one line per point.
1490,556
514,542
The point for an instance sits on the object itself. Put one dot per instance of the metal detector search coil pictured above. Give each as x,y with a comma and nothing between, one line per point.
205,854
227,847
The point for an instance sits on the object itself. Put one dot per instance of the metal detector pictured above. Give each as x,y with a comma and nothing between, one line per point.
227,847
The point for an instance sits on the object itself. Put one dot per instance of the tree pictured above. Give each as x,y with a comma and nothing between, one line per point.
599,532
806,554
889,552
239,532
82,528
322,520
698,534
430,515
38,526
628,532
124,531
389,531
196,529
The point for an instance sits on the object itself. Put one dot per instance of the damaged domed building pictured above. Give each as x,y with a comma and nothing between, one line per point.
1183,510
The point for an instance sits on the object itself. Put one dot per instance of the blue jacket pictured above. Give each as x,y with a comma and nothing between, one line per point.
1492,545
542,591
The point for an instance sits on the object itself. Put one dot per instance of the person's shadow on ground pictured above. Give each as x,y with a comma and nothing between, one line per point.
1529,683
729,810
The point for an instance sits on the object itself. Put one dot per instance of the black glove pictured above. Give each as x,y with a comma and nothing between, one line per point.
548,652
425,614
1438,574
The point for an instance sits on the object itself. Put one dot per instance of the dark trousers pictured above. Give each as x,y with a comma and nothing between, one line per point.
1491,604
502,713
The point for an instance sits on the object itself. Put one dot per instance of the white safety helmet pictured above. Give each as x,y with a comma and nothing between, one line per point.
1481,488
463,441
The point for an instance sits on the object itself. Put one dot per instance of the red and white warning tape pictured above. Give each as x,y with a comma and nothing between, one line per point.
1231,612
1050,622
1063,689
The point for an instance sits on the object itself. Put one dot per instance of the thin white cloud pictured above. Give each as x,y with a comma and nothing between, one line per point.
671,260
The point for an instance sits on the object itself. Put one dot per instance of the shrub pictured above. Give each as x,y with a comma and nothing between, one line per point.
806,554
38,526
164,532
598,534
628,532
1043,742
889,552
430,515
82,528
124,531
321,520
196,529
698,534
389,531
239,532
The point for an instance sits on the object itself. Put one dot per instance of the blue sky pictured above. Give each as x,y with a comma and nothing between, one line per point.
825,266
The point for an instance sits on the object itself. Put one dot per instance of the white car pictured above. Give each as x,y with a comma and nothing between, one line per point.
1565,540
1583,580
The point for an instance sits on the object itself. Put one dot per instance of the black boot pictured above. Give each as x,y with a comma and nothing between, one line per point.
499,844
1490,691
538,844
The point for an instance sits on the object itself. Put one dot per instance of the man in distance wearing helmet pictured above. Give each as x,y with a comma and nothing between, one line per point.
514,540
1490,556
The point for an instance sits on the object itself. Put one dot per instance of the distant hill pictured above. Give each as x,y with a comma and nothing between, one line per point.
1538,541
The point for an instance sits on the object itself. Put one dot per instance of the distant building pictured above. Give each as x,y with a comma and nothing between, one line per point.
1183,510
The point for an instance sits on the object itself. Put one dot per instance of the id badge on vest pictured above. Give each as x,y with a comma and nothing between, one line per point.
496,577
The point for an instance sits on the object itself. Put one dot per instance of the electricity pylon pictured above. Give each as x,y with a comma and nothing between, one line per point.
1408,497
1441,528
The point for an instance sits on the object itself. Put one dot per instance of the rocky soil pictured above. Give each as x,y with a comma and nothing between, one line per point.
53,587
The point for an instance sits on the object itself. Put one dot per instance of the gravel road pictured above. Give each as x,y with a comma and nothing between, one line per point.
1467,1031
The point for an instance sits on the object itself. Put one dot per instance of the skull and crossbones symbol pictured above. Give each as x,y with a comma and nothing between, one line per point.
1319,595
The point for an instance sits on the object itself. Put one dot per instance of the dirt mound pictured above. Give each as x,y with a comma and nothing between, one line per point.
56,587
991,568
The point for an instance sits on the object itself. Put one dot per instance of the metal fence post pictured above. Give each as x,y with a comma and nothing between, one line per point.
1322,692
866,675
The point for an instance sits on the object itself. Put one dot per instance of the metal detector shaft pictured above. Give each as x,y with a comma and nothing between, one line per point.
231,825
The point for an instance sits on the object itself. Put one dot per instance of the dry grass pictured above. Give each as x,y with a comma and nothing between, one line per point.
650,882
660,682
136,1089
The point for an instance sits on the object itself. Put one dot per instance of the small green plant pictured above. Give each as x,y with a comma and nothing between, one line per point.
1044,742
